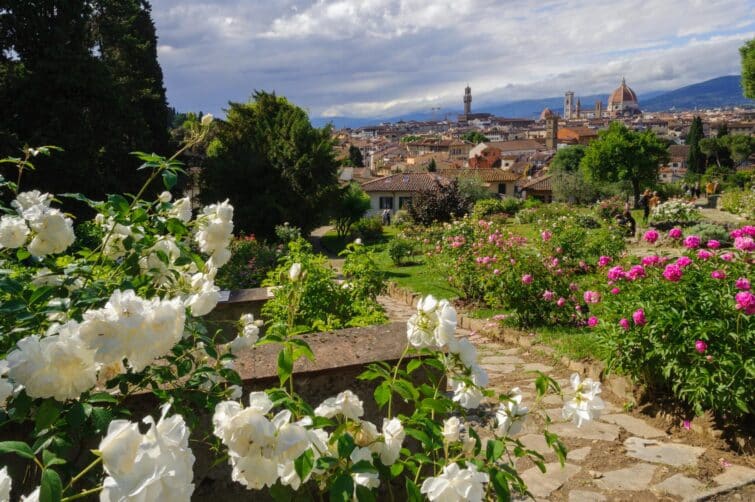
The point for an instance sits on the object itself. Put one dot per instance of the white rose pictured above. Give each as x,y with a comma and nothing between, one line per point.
467,353
456,484
5,484
451,429
294,272
393,437
181,209
165,197
13,232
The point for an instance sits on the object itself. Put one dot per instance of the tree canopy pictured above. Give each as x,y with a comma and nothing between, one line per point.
695,157
83,75
475,137
272,165
568,158
747,51
620,154
351,204
355,156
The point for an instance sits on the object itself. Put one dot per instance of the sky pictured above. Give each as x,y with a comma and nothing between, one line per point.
382,58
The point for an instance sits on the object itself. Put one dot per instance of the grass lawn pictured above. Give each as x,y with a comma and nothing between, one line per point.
575,343
334,244
417,276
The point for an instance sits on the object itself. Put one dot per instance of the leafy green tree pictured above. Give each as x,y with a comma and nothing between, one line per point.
410,138
351,205
695,157
272,165
440,203
473,188
739,146
432,166
568,158
622,155
475,137
355,156
747,51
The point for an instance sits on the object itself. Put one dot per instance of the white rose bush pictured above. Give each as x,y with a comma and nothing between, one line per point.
86,326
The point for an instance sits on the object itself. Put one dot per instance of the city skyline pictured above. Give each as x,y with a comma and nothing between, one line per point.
378,58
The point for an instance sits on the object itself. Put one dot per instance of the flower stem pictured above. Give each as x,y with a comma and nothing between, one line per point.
393,380
83,494
81,474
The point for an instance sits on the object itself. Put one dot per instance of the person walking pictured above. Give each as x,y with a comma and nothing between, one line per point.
645,205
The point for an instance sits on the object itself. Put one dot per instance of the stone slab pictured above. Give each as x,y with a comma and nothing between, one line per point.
589,431
635,478
537,367
536,442
501,360
674,454
585,496
679,485
542,485
579,454
553,400
499,368
735,475
633,425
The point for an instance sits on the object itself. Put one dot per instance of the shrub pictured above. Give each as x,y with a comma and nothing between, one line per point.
488,207
370,229
250,262
542,212
691,337
674,212
611,207
741,202
711,231
401,218
287,233
586,221
443,202
400,249
363,277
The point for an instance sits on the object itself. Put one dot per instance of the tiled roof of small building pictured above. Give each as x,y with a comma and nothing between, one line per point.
404,182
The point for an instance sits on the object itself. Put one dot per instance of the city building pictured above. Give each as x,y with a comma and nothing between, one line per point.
623,101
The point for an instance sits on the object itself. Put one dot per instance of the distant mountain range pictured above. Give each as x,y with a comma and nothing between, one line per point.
714,93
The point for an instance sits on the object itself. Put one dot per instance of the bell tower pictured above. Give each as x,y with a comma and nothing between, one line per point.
467,100
568,104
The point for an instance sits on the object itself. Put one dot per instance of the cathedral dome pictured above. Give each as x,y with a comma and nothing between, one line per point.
623,94
546,114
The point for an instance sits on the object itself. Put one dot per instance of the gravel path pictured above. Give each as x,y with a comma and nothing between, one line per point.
622,456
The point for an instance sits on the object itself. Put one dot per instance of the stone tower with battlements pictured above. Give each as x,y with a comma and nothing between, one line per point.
568,104
467,100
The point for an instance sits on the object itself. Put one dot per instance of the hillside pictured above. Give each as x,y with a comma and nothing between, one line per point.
714,93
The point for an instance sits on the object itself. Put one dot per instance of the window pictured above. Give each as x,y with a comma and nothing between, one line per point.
502,188
404,202
386,202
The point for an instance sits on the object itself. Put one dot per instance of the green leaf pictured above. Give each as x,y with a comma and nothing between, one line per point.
494,450
102,397
412,491
51,488
22,254
396,469
169,179
501,486
413,365
285,365
364,494
47,414
382,394
49,458
304,464
101,418
438,405
342,489
18,447
345,445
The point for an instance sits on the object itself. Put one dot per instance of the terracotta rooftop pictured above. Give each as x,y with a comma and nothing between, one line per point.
487,175
541,184
517,144
404,182
678,151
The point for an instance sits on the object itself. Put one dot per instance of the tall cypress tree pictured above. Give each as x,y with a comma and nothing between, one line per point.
695,157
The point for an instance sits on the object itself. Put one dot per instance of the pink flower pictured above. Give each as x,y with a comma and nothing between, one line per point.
651,236
636,272
546,235
745,302
718,274
554,262
624,324
496,272
704,254
603,261
687,424
561,302
692,241
592,321
684,261
592,297
709,358
713,244
701,346
548,295
527,278
744,231
727,257
615,291
744,244
651,260
615,273
742,283
675,233
672,273
573,286
639,317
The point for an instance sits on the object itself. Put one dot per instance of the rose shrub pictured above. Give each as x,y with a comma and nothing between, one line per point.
250,262
677,307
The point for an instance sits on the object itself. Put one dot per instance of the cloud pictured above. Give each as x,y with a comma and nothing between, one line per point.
385,57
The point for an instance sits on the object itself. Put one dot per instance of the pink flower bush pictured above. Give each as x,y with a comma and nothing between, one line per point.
718,274
639,317
615,273
704,254
747,230
701,346
592,297
651,236
603,261
546,235
672,273
692,241
727,256
713,244
561,302
624,323
675,233
548,295
615,291
636,272
592,321
684,261
651,260
745,302
742,284
527,278
744,244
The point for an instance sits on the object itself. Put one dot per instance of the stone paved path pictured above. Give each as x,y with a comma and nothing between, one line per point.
620,457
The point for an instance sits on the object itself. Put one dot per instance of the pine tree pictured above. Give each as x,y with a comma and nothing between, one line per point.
695,157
